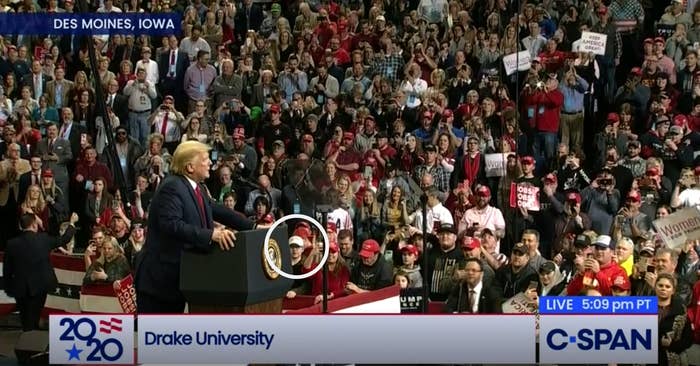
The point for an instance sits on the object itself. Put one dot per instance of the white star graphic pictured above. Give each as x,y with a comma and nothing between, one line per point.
69,291
58,291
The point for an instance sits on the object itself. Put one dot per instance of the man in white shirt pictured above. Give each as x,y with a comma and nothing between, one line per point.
149,65
167,120
483,216
437,213
687,191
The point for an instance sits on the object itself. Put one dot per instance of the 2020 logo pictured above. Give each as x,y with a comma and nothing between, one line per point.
93,339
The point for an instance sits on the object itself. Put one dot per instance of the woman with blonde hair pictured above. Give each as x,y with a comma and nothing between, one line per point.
34,203
437,79
110,267
346,193
103,74
395,209
509,42
81,83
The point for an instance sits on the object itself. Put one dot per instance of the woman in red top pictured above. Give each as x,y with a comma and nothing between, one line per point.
27,134
338,273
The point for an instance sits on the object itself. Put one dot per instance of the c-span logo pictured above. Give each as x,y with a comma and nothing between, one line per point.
91,339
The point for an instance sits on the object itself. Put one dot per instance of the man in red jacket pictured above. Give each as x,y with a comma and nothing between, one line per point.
599,271
548,101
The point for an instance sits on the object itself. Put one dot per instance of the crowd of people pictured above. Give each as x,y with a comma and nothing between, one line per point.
395,101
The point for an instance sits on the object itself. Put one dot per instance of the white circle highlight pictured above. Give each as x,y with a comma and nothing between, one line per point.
326,250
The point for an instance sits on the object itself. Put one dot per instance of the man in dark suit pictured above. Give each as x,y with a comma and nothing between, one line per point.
31,177
172,66
473,295
128,51
56,153
36,80
263,90
181,218
117,102
27,269
249,17
72,132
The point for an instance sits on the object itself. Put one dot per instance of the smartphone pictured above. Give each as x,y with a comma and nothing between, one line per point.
651,268
589,255
214,155
389,255
115,204
532,285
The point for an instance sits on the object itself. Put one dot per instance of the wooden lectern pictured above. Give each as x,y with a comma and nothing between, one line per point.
238,280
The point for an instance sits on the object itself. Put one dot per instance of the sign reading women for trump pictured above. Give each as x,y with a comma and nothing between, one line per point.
676,229
525,195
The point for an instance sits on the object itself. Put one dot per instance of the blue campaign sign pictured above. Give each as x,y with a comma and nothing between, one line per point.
598,305
154,24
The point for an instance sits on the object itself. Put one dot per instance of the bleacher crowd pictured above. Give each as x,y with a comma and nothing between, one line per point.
540,180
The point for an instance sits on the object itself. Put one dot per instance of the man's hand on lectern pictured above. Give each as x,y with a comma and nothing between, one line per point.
224,237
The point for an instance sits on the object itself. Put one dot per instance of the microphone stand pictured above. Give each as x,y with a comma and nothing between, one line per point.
426,284
324,210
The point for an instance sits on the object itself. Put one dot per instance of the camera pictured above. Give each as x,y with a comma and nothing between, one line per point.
375,145
605,182
540,84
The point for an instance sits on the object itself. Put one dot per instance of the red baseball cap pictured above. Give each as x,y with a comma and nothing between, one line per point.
331,227
483,191
447,113
47,173
680,120
470,243
307,138
348,136
410,249
239,132
551,178
573,196
622,283
613,117
303,232
652,172
636,71
659,40
527,160
275,108
369,248
334,247
634,196
649,40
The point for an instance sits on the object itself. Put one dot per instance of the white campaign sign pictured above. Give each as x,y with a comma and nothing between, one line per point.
679,227
495,164
593,43
516,61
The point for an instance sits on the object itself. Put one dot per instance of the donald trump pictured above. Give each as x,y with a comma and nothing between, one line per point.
181,218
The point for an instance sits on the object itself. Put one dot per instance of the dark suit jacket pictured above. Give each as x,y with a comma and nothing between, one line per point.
28,80
74,139
256,19
25,180
258,97
489,300
27,269
118,57
174,225
181,65
120,106
459,174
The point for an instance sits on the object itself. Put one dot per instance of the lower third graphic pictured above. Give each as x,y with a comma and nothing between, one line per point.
91,339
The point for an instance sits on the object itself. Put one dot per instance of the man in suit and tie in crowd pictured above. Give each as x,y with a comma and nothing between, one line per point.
59,89
181,218
72,132
32,177
171,68
249,17
117,102
263,91
27,269
36,80
55,153
473,294
8,137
